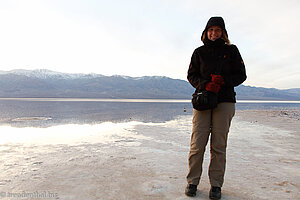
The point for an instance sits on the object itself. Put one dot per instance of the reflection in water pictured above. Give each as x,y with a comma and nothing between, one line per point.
31,119
63,122
71,134
45,113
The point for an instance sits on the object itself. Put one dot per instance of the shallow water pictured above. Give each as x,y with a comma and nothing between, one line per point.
49,112
58,146
45,113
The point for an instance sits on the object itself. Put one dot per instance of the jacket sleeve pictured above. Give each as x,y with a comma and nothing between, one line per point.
194,75
238,72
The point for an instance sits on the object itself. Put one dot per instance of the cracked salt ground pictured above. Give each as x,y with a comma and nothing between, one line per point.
136,160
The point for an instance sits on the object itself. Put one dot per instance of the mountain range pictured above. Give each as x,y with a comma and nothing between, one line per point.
45,83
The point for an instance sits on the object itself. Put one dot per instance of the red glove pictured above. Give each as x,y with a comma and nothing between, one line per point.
212,87
218,79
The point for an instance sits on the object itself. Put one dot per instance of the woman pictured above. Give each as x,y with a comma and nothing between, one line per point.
203,75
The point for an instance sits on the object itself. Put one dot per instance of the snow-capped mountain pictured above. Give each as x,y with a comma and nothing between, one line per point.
45,73
46,83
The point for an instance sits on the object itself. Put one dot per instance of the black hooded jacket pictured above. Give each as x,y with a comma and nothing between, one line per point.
206,60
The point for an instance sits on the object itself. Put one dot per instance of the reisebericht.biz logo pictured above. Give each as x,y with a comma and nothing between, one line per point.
33,195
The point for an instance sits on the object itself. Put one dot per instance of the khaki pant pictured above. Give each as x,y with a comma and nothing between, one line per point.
215,123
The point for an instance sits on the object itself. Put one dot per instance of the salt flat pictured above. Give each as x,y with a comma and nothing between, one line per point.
146,160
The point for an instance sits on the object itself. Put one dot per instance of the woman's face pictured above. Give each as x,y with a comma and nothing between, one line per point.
214,33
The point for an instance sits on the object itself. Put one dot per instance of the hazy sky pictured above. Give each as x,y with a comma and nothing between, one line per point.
148,37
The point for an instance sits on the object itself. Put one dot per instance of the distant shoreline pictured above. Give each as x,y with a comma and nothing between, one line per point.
62,99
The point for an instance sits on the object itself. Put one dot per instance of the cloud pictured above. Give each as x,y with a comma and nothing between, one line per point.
138,38
38,36
267,34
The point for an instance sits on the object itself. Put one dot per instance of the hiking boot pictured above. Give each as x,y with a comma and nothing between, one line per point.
190,190
215,193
